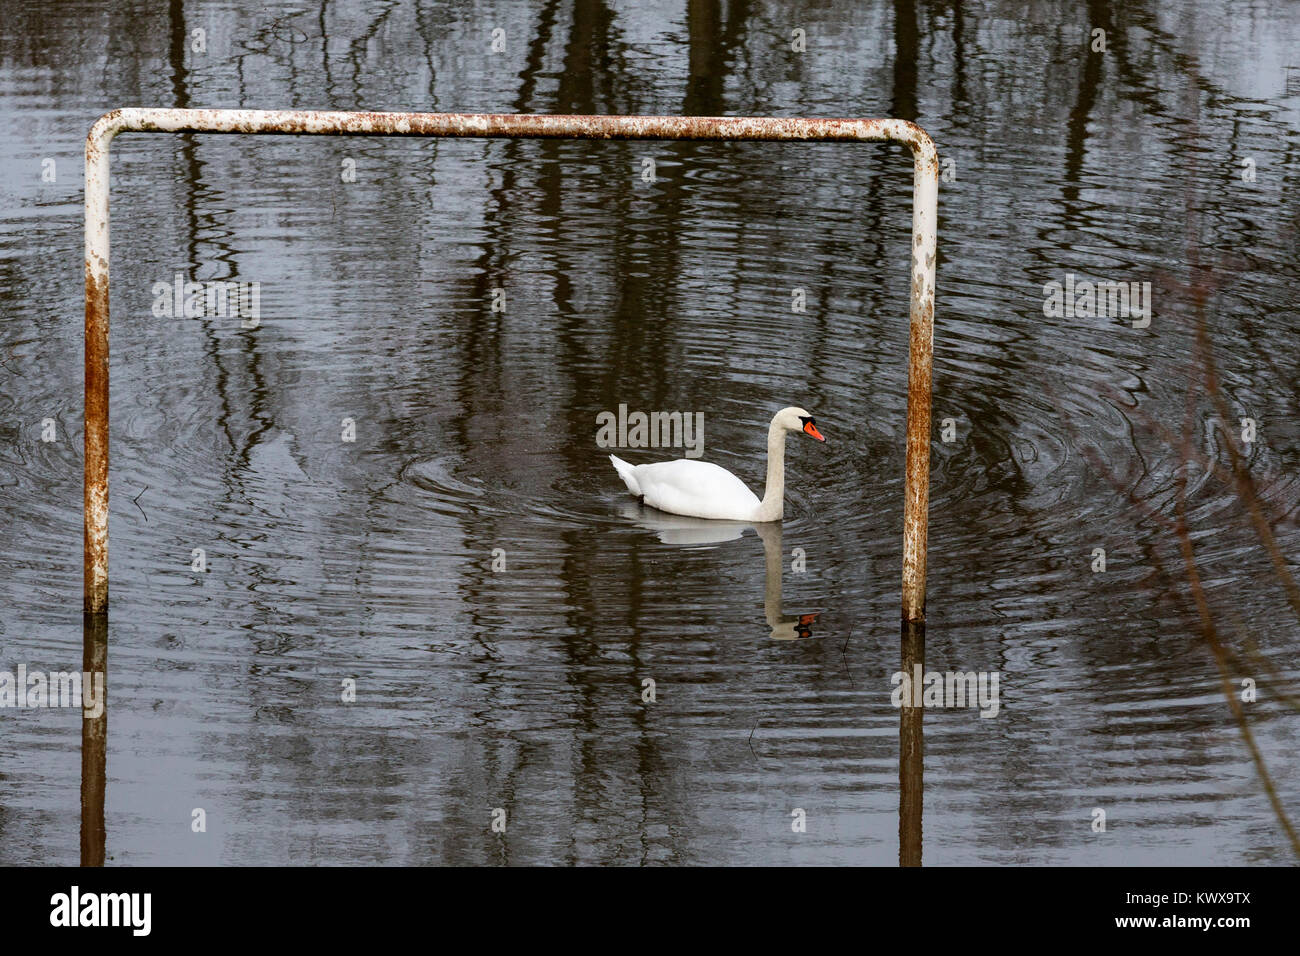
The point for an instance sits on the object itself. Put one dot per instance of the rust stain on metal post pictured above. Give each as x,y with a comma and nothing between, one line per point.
335,123
920,369
95,503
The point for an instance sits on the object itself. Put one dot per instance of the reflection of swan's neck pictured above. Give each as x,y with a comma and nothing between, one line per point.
783,628
772,553
773,505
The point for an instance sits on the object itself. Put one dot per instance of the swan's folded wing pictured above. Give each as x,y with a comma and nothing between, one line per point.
697,488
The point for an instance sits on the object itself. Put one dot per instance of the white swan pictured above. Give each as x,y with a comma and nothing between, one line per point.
703,490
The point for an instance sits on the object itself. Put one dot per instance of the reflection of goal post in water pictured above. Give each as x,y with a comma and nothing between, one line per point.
312,122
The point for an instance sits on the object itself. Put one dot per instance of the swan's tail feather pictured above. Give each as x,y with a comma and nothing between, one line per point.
628,475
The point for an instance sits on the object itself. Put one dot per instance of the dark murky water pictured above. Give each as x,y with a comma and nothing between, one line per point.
475,430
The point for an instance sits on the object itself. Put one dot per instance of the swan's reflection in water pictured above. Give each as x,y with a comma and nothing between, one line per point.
687,532
693,532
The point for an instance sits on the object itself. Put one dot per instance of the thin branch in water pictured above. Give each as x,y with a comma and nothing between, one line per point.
136,501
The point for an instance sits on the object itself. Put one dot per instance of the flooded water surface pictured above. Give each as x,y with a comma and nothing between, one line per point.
375,585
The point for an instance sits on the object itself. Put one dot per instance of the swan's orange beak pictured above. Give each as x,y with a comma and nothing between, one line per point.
811,431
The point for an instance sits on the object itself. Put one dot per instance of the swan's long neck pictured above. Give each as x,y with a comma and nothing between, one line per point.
773,505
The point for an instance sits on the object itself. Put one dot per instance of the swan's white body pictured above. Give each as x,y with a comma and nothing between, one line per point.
700,489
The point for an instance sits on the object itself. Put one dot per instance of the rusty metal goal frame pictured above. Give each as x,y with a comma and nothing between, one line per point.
925,199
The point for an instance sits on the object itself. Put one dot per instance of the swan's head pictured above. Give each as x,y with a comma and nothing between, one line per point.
797,420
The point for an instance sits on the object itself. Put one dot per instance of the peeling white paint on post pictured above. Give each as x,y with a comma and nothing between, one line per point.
95,503
323,122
